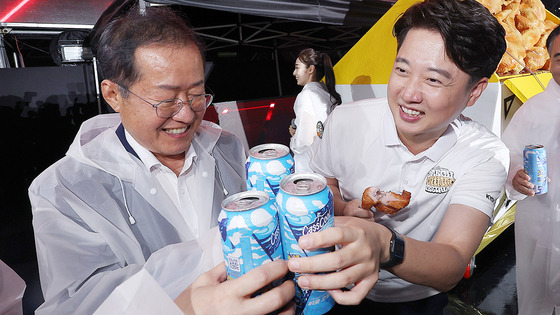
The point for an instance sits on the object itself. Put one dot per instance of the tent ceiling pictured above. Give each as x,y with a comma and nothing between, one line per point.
223,23
330,25
337,12
227,26
230,30
85,13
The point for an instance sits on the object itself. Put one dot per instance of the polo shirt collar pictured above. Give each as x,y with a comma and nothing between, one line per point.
434,153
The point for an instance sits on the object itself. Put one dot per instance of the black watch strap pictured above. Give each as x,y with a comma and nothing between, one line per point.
396,250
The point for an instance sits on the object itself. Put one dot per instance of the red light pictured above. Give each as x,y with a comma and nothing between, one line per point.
250,108
270,111
269,115
14,10
225,111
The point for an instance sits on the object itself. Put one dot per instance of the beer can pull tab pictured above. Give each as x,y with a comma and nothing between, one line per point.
303,185
268,152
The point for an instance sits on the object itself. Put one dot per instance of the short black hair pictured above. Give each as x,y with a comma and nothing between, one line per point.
474,39
120,38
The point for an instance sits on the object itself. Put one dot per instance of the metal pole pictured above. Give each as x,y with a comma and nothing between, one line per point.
277,69
4,62
96,76
16,64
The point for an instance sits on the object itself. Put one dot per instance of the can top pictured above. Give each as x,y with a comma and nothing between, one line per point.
534,146
303,184
245,200
269,151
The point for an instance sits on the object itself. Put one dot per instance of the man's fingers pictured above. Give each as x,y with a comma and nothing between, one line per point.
214,276
337,235
272,300
333,280
259,277
357,293
359,213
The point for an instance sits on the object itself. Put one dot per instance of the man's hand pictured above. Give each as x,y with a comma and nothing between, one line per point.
520,182
353,209
363,243
292,131
212,294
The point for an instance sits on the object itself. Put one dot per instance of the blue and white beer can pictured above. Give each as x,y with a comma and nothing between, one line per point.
250,232
305,205
535,164
266,166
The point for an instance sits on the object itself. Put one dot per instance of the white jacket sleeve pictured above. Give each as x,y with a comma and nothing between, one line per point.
306,122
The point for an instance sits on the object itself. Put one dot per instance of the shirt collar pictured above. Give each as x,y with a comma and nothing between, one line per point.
122,137
150,160
434,153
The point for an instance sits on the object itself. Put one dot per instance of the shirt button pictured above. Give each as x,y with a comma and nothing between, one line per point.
195,231
405,182
205,174
153,191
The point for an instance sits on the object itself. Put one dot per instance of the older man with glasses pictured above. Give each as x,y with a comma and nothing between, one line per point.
140,190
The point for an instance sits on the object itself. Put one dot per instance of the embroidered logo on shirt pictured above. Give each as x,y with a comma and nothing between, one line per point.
439,180
320,129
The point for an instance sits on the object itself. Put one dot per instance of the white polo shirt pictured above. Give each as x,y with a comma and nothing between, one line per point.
360,148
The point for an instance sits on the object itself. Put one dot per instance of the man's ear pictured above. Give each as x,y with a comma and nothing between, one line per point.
111,94
476,91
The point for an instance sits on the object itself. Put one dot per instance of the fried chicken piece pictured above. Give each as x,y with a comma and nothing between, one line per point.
386,202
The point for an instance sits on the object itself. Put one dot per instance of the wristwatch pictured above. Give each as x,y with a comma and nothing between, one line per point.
396,250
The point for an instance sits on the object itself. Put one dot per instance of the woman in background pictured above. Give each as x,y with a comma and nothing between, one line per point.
313,104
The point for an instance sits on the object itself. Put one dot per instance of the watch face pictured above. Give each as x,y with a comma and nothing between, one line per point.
399,249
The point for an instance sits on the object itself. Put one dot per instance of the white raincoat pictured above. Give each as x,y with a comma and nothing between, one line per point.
537,219
86,244
312,106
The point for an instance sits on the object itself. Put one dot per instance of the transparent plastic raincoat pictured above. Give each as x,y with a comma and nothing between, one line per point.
99,217
537,219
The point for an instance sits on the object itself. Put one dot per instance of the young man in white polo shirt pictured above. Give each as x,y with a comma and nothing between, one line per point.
415,140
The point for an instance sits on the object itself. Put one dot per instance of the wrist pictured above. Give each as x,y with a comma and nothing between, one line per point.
386,236
394,252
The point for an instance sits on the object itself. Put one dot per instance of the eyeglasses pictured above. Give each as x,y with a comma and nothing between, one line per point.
170,107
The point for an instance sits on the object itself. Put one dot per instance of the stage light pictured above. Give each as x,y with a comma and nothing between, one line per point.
74,51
